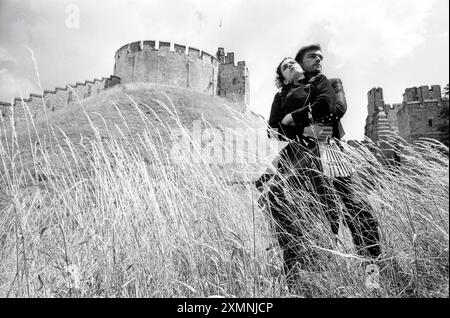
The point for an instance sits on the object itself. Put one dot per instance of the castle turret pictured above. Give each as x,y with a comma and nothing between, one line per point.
418,116
147,62
5,109
375,105
378,124
233,81
375,100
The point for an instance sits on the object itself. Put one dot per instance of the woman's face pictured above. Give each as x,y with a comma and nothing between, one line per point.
291,70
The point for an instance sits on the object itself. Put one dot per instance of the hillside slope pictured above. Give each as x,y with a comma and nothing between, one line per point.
128,110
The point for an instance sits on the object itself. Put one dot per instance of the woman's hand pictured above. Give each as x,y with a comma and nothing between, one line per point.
288,120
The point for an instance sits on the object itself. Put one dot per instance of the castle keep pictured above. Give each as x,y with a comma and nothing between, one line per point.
417,116
152,62
180,66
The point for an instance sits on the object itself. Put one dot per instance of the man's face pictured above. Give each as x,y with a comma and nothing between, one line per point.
312,62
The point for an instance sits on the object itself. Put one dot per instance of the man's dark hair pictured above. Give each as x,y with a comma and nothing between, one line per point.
301,53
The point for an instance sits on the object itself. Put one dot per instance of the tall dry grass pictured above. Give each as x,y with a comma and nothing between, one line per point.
113,216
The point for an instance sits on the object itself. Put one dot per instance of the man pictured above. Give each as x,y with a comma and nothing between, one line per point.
359,214
359,218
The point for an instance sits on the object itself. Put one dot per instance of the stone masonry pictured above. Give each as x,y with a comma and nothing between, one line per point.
417,116
233,79
178,65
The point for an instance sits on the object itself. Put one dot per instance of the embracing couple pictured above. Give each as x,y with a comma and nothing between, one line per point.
306,112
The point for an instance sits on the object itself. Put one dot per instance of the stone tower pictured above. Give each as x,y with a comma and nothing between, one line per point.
417,116
377,124
233,81
182,66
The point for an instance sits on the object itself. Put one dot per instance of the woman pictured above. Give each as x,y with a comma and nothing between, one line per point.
303,100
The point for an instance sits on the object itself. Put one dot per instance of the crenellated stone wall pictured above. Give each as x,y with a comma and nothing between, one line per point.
174,65
422,93
420,119
37,105
418,116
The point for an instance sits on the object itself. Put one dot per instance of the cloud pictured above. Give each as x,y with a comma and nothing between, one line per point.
13,86
363,33
5,56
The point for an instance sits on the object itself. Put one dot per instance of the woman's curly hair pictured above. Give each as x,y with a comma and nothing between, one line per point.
279,78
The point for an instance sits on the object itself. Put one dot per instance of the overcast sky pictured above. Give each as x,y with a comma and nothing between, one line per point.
367,43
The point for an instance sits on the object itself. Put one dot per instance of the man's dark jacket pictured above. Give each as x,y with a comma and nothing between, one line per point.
327,104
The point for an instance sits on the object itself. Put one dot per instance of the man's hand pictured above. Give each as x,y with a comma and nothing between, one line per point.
319,131
288,120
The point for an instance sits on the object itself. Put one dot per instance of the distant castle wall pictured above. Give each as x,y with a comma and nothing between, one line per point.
391,113
422,93
420,119
182,67
418,115
37,104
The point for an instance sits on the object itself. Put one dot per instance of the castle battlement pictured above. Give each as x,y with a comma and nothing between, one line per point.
179,48
149,45
417,116
229,58
167,63
233,79
158,62
422,93
164,46
163,62
4,108
206,57
194,52
135,47
375,94
375,101
57,98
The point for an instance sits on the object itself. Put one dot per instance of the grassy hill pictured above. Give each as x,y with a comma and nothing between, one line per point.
125,112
